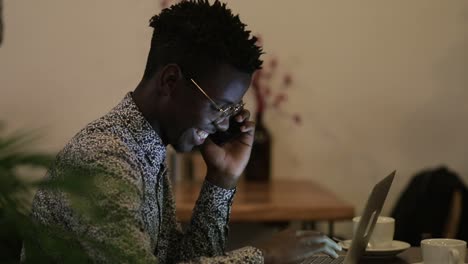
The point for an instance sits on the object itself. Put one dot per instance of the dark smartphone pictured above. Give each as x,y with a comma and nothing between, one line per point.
221,137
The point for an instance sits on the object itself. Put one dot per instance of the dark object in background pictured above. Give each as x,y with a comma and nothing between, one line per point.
434,204
259,166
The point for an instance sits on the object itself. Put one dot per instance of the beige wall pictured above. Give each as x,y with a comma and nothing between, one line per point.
381,85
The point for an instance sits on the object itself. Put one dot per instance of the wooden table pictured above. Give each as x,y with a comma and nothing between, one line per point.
276,201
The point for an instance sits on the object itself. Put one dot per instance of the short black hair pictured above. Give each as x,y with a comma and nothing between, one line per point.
199,36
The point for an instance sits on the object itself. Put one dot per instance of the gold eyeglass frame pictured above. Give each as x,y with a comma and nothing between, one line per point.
228,111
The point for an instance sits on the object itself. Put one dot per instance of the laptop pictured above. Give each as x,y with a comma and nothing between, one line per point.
364,230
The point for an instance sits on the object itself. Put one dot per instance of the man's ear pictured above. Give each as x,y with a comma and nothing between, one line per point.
170,75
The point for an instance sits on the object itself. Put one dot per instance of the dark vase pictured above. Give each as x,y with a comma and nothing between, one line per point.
259,166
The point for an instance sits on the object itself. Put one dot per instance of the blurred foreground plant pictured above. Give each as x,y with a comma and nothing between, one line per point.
78,184
14,192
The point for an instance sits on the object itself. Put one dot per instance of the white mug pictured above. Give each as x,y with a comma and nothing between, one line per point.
443,251
382,236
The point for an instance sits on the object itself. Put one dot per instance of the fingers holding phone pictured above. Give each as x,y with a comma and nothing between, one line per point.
226,153
247,127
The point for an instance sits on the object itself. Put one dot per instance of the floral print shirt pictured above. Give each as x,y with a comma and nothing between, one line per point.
139,219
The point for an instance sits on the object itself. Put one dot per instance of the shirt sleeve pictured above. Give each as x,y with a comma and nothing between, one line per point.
247,255
205,237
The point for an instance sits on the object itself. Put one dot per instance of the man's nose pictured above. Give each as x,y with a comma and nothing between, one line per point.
223,124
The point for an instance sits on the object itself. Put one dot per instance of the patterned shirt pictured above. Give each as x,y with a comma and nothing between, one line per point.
139,219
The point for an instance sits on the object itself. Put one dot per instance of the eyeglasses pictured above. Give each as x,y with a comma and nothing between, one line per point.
226,112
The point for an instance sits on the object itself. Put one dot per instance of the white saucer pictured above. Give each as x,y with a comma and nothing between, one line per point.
396,248
423,263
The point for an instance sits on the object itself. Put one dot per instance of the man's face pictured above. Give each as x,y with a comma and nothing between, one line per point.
195,116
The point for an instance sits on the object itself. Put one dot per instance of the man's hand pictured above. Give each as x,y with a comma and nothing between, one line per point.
290,246
226,163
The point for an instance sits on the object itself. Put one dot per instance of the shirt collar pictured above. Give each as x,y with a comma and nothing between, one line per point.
141,130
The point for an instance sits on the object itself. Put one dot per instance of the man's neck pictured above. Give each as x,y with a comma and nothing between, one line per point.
140,96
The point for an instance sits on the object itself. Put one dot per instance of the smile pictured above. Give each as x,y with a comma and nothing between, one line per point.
202,135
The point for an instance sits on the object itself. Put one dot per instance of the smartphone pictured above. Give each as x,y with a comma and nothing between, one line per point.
222,137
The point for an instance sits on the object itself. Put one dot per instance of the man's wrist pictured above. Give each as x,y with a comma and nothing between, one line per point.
222,180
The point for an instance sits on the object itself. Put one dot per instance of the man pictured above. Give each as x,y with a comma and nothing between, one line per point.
199,67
